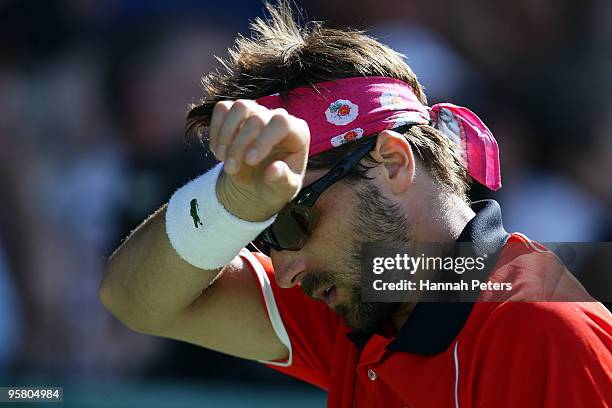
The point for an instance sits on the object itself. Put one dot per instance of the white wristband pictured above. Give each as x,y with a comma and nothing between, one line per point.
201,230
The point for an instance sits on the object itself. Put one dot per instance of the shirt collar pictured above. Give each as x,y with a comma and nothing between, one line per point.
432,327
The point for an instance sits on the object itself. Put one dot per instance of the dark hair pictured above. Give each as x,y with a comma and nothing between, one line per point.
436,152
282,54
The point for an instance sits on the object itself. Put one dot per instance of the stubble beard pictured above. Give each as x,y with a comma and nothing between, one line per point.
376,219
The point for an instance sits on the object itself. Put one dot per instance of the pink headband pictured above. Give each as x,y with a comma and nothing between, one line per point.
342,111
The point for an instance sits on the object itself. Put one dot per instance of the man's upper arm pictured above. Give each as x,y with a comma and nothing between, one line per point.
230,317
246,314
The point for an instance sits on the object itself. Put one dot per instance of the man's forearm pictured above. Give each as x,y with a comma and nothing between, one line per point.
147,283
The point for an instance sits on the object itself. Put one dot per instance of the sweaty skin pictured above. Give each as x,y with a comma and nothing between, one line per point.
265,154
218,309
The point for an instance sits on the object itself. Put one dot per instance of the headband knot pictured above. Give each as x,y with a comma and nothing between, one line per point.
479,147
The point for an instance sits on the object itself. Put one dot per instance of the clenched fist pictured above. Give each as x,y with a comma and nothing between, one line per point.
264,153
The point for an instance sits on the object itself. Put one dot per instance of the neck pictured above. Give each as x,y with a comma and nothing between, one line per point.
448,215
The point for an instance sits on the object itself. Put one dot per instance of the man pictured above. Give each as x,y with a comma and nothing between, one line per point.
325,145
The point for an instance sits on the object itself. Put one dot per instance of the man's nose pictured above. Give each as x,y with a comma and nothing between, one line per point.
289,267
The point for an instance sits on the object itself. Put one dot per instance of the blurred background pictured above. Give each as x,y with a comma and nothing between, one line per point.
93,95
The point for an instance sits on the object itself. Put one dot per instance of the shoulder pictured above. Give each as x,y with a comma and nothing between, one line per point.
547,354
551,326
535,274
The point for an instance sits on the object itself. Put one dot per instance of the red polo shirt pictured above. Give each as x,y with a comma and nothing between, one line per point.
508,353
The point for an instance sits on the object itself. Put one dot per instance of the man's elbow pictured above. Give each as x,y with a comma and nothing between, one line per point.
124,312
104,294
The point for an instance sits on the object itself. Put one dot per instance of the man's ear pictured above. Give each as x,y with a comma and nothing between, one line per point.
393,151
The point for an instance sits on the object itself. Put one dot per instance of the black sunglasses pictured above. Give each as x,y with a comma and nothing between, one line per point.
298,219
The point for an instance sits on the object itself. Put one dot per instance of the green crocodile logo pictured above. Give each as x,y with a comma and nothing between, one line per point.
194,213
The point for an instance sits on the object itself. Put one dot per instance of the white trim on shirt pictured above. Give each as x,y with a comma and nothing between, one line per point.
273,313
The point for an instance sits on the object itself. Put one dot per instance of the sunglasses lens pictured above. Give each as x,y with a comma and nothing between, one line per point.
294,225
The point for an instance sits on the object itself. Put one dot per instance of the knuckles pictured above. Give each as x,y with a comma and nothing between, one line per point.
242,104
222,107
288,123
303,126
281,111
280,120
255,116
255,121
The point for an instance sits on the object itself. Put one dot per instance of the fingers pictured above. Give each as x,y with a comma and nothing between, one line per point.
282,126
245,133
226,119
220,111
250,130
239,112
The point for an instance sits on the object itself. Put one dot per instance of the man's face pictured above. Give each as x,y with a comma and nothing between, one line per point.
328,266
